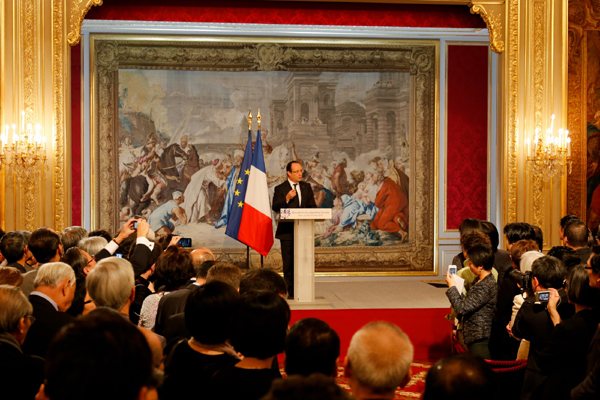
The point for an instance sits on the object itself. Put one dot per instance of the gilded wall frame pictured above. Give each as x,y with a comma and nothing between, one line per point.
109,53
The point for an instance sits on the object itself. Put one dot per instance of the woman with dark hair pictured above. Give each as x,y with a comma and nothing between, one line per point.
172,270
82,263
259,330
468,225
209,313
563,359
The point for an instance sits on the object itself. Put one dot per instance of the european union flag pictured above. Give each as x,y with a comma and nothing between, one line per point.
239,196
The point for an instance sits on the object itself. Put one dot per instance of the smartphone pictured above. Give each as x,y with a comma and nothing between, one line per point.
119,255
185,242
452,269
135,225
542,296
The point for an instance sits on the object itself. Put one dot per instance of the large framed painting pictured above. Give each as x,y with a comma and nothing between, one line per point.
169,124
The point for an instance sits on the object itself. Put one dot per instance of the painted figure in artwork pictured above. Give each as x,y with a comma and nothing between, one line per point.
147,167
161,219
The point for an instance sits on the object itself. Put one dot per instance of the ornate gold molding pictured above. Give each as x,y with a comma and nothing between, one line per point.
540,94
59,48
78,11
512,65
494,25
267,54
29,67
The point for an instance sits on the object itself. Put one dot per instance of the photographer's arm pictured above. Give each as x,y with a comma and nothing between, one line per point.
552,303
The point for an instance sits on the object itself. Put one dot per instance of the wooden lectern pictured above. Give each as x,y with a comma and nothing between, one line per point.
304,249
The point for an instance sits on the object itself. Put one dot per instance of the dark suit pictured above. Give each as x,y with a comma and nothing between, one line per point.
171,304
47,323
17,266
534,324
585,253
285,229
20,374
140,258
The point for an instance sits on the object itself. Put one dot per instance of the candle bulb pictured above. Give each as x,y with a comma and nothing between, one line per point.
23,120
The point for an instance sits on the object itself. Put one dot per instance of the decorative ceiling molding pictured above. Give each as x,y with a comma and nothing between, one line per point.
79,10
492,14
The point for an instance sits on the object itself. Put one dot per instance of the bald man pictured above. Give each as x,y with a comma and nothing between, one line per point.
378,361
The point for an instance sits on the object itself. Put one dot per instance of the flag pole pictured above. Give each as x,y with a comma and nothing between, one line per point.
250,129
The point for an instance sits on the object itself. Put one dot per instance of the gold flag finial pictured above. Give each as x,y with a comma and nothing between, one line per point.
250,119
258,117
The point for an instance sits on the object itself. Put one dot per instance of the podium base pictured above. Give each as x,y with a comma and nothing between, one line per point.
319,304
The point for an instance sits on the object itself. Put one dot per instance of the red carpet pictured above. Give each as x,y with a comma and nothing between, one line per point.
427,328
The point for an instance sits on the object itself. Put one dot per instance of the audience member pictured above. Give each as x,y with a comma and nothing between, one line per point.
468,225
13,247
563,359
20,375
174,302
314,387
208,316
225,272
143,286
101,233
45,246
539,236
10,276
111,284
258,333
463,376
100,356
502,262
92,245
311,346
467,242
563,222
54,290
477,307
263,280
30,258
576,237
82,263
378,361
533,321
569,257
71,236
141,254
590,387
173,269
516,231
502,346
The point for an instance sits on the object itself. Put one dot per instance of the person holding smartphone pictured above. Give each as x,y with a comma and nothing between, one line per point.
534,323
476,309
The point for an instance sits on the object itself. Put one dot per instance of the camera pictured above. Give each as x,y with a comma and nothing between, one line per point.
523,279
542,296
135,225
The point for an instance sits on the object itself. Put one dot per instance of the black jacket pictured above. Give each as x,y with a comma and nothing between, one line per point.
285,229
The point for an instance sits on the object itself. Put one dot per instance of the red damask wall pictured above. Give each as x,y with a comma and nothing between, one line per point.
260,12
467,134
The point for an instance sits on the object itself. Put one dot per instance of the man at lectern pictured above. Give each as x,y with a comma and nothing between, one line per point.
292,193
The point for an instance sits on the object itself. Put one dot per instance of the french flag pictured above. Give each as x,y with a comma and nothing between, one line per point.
256,227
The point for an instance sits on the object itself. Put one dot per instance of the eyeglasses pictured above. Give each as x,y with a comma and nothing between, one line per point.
31,318
90,260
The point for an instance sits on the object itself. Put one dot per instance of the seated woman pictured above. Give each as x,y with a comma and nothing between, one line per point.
208,316
259,330
563,359
476,309
20,375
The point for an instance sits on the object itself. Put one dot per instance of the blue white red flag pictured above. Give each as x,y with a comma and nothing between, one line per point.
256,227
239,195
